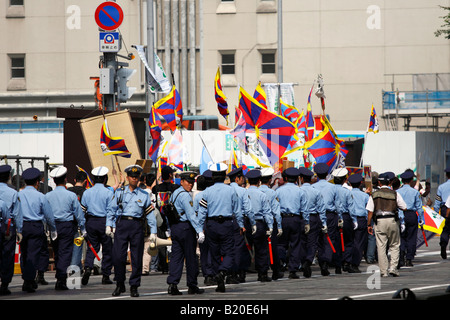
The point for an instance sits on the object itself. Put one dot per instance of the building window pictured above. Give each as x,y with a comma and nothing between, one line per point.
17,66
16,2
15,9
268,62
228,64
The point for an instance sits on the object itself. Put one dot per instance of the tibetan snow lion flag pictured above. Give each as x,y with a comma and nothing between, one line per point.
170,108
112,145
373,121
221,100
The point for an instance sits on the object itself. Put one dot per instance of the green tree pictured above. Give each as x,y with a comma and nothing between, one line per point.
446,31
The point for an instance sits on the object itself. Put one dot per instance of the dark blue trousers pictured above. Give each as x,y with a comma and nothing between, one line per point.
349,236
325,253
311,243
409,236
290,241
31,246
205,259
220,237
95,228
7,254
274,239
262,259
241,255
184,244
63,247
360,241
129,234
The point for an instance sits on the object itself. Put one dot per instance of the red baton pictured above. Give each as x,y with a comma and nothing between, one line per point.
7,228
270,250
92,249
424,237
342,239
329,241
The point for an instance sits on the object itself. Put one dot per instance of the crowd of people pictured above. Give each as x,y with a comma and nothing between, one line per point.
220,223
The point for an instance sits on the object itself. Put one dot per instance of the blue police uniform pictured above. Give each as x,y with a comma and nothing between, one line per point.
36,211
218,206
291,198
264,224
68,215
242,259
134,209
329,195
359,211
412,217
274,205
14,219
314,215
184,239
99,206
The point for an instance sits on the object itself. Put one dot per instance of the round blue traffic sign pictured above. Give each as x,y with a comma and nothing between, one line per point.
109,15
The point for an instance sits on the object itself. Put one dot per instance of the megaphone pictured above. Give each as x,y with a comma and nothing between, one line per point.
78,241
153,248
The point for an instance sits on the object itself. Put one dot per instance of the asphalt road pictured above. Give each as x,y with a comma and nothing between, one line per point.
428,278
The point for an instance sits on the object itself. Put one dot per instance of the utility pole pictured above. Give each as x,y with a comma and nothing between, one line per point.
151,61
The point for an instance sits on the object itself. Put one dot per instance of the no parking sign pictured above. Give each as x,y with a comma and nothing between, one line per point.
109,15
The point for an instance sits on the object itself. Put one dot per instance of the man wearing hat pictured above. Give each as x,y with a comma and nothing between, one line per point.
442,194
68,216
264,224
382,207
11,228
162,192
134,209
36,210
334,220
315,219
99,206
241,257
204,181
184,231
291,198
413,202
359,211
274,204
343,205
218,207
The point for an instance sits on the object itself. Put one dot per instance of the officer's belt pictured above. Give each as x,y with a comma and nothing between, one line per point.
260,220
220,218
386,216
284,215
332,212
130,218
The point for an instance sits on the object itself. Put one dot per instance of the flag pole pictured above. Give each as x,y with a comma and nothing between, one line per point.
206,147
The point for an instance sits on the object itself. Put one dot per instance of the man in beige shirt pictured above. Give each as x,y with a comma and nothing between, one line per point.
383,208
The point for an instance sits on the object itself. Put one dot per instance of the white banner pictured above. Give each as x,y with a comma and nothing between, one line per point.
157,82
287,94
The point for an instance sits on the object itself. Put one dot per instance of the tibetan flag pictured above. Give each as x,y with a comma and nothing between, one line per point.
175,149
373,121
327,147
260,95
89,181
112,145
310,126
289,112
239,132
221,100
272,132
170,108
154,124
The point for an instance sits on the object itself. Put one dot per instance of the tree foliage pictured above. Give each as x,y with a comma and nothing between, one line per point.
446,31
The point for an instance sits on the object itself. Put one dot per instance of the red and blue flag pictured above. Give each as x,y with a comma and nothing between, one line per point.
154,124
221,100
170,108
112,145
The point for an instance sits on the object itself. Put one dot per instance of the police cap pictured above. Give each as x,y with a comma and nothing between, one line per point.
305,172
31,174
207,174
100,171
58,172
339,172
218,168
267,172
291,172
253,174
134,170
189,176
355,178
408,174
321,168
235,172
5,168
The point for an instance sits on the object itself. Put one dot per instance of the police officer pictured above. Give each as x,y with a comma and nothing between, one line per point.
241,257
334,220
382,207
274,204
442,194
264,224
291,198
68,216
99,206
218,205
315,219
343,205
134,210
359,211
184,230
413,202
203,182
11,228
36,210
